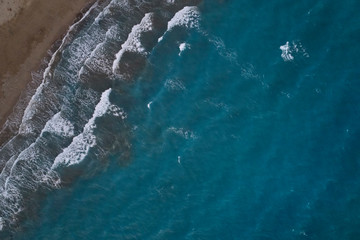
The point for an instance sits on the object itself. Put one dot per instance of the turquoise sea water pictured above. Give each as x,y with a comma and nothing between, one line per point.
240,122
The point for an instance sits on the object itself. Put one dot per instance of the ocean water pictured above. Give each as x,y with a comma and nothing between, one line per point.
213,119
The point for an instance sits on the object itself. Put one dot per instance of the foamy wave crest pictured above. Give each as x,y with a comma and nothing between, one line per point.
81,49
113,33
145,35
81,144
36,100
133,43
59,126
26,159
30,110
187,17
23,177
70,124
183,20
98,63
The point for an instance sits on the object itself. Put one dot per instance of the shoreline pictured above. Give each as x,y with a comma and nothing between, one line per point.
25,41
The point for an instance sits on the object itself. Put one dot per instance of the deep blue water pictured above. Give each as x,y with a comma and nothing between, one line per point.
231,138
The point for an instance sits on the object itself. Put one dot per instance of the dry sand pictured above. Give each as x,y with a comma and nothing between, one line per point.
28,28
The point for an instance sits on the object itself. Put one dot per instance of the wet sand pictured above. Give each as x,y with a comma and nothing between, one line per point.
28,28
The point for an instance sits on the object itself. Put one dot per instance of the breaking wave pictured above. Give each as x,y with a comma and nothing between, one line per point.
72,122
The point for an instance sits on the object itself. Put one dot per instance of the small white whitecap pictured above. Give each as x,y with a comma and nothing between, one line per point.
183,47
149,105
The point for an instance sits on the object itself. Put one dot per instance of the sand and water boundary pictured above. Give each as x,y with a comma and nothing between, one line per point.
28,29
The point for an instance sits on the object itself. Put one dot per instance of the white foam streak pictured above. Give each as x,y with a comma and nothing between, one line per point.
59,126
81,144
35,99
286,53
29,112
113,32
26,154
97,61
133,44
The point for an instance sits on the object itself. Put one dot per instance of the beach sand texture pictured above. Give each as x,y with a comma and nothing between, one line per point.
28,28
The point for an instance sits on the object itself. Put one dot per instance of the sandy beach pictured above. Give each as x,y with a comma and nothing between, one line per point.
28,28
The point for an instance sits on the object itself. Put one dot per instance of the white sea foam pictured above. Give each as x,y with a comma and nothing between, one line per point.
133,43
81,49
286,52
174,84
29,110
113,32
59,126
188,17
290,50
187,134
35,99
108,11
102,14
81,144
300,49
23,172
228,54
77,150
98,61
183,47
30,169
105,106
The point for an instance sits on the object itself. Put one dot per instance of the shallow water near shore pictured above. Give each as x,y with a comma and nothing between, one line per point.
197,120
